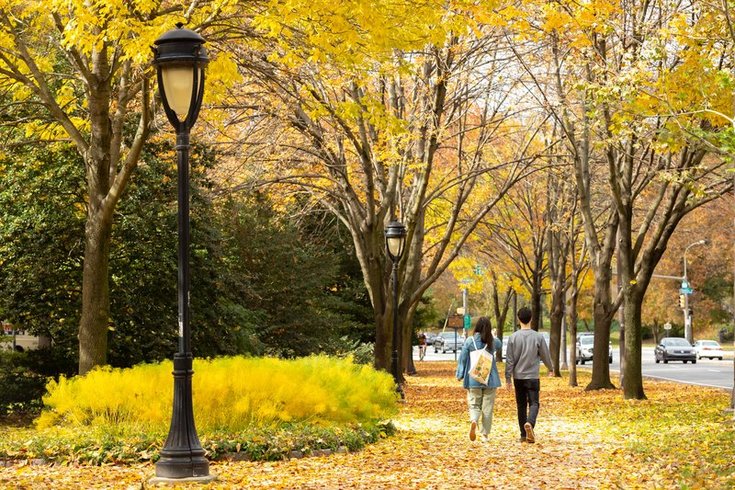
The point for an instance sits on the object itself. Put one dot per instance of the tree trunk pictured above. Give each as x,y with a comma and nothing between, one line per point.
383,336
633,386
573,335
406,338
501,313
557,313
603,320
95,295
536,293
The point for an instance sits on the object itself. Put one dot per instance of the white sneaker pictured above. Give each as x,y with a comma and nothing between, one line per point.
484,438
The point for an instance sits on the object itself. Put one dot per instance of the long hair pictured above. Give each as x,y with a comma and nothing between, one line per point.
485,330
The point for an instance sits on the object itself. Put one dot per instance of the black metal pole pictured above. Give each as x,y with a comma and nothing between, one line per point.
182,455
394,355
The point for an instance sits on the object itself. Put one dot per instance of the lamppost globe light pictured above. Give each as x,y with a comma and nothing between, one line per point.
180,59
395,240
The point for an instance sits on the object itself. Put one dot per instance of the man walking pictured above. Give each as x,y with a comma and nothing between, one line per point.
526,348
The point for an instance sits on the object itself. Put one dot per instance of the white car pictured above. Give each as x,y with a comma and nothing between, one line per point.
708,348
585,348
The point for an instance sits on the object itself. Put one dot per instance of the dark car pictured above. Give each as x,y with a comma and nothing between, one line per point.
675,349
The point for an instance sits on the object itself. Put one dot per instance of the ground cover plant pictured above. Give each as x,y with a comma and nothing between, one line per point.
263,408
680,437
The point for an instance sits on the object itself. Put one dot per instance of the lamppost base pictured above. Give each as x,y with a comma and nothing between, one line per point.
161,480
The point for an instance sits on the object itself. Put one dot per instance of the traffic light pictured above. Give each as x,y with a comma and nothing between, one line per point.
682,301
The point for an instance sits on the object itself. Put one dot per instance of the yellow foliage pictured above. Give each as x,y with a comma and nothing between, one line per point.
229,393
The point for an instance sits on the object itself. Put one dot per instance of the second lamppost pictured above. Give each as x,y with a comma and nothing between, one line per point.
395,243
180,59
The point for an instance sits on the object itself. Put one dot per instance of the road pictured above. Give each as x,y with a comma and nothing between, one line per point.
705,372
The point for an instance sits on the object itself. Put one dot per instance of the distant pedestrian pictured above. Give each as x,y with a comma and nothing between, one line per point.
480,397
422,346
526,348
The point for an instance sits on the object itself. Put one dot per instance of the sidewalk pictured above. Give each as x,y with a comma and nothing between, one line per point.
584,440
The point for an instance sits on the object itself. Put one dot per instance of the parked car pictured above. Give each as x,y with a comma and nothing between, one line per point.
585,349
675,349
708,348
448,341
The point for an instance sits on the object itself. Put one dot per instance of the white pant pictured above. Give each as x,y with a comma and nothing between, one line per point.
481,402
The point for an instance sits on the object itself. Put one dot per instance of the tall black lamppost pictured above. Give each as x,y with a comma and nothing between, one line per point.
180,59
395,242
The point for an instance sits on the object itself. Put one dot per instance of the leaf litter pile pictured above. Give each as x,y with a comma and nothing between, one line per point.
680,437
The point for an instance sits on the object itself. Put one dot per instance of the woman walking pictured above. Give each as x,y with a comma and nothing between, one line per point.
480,397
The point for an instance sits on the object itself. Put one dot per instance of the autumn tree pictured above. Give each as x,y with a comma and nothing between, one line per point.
617,100
380,118
84,66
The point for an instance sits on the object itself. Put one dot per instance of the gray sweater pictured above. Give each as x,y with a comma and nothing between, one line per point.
525,348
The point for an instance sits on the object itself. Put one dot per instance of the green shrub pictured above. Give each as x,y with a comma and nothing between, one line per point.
100,446
21,387
230,394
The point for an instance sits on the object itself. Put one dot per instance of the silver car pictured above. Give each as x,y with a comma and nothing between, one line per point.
586,347
448,342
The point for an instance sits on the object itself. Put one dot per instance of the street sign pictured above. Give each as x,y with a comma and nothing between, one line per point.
667,326
455,321
467,322
686,290
684,285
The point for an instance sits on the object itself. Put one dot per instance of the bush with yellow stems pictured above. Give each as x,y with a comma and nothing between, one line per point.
230,393
263,408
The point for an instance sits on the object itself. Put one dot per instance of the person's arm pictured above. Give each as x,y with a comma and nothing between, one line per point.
545,354
463,360
509,361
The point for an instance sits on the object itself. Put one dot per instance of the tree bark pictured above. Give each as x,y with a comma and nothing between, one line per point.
95,318
557,314
633,386
603,321
573,334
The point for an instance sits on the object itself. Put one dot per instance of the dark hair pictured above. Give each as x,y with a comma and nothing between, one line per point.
485,330
525,315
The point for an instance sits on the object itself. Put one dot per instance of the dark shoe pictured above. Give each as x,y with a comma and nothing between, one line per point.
473,428
530,437
522,439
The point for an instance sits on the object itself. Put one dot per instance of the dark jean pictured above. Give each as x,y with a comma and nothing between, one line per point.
527,401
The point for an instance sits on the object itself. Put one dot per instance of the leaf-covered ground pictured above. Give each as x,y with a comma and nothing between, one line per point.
679,438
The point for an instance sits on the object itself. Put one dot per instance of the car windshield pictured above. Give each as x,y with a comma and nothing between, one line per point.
675,342
710,343
587,339
448,335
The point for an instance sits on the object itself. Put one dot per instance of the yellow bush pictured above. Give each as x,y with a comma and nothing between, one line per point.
230,393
